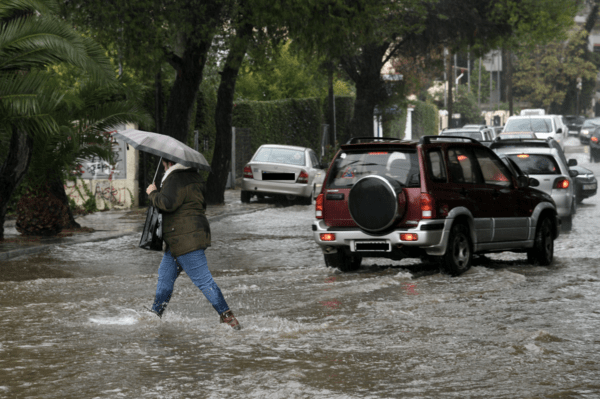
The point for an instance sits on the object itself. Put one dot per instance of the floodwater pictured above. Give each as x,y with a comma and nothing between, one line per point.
505,329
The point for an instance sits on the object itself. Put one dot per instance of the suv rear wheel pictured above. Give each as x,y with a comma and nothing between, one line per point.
542,252
343,261
459,254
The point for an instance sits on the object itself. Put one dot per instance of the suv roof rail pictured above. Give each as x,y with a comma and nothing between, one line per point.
430,139
355,140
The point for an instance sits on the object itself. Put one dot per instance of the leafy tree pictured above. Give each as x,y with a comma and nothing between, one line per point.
31,38
286,75
544,73
367,34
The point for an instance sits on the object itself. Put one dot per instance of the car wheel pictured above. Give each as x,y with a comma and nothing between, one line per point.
343,261
459,254
245,196
542,252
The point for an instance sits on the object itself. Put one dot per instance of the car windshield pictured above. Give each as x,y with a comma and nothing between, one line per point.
536,164
591,123
473,135
400,165
539,125
280,155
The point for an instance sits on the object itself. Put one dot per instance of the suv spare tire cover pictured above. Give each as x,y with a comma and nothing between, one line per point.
376,202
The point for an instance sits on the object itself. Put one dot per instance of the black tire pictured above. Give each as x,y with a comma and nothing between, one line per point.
306,200
459,253
542,252
567,221
245,196
343,261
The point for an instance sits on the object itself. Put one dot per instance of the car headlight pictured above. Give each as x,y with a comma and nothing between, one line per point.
585,131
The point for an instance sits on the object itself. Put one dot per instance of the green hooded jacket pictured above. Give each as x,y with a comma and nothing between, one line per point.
183,208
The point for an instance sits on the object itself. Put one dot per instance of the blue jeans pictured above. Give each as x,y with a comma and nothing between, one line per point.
196,267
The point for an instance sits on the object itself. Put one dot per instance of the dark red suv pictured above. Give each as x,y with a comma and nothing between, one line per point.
443,197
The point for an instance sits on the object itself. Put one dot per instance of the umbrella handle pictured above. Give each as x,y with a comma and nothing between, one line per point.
153,180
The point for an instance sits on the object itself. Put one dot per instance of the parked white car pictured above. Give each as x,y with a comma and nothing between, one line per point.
285,170
544,126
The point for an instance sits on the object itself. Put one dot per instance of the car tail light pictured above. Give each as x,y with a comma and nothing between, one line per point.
561,183
302,178
594,139
327,236
248,172
319,206
427,206
409,237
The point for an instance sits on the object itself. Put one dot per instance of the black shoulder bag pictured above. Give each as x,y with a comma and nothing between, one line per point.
152,234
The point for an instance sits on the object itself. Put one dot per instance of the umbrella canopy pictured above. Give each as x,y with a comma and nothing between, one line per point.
164,146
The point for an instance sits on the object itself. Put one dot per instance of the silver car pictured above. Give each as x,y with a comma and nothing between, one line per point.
547,166
294,172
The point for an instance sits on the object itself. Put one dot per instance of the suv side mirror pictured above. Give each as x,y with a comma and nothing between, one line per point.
522,181
572,162
533,182
573,173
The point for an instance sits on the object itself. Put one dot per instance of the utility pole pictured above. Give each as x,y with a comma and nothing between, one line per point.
469,68
479,86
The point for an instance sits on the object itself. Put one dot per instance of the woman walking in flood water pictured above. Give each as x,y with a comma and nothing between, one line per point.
186,233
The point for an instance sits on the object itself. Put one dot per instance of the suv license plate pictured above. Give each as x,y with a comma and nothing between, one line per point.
589,186
372,246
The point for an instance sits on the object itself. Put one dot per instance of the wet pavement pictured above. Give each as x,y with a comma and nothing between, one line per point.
111,224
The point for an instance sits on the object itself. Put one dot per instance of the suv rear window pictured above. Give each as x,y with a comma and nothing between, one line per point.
536,164
351,166
280,155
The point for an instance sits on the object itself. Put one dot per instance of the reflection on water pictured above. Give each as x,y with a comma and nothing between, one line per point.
505,329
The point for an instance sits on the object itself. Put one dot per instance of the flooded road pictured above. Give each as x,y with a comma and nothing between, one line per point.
505,329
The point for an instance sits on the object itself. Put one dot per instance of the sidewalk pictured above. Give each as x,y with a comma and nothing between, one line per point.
107,225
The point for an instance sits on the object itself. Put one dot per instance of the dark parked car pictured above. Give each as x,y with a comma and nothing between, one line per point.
574,124
586,184
444,198
587,129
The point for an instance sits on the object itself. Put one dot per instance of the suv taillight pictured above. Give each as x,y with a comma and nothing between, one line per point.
248,172
561,183
427,206
594,139
319,206
302,178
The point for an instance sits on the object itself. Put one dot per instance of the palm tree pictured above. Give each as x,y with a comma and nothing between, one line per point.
31,39
83,116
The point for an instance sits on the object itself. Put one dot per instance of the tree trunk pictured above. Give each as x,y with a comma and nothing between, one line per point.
365,71
13,169
182,100
221,161
57,188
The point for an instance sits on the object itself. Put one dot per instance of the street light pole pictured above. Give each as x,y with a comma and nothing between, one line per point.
579,86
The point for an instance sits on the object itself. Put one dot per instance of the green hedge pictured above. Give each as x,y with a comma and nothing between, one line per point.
291,121
424,121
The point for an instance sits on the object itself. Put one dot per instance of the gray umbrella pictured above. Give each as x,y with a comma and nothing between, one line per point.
165,147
